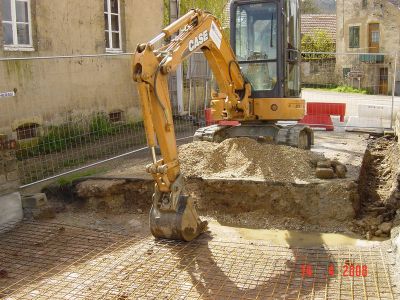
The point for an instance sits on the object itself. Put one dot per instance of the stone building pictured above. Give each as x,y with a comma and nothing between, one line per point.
316,70
37,92
369,31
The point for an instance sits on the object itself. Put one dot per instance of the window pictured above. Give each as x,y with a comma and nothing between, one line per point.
112,22
257,40
354,37
346,72
116,116
27,131
375,36
16,22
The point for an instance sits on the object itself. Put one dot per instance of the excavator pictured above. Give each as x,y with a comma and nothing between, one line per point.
258,86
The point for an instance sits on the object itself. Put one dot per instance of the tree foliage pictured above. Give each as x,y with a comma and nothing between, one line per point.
309,7
318,41
216,7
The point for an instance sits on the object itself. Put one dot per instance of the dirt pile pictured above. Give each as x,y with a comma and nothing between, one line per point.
247,159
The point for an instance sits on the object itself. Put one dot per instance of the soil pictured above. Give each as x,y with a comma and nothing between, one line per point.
379,187
246,158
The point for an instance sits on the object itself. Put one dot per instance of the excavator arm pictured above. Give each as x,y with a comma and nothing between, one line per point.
173,215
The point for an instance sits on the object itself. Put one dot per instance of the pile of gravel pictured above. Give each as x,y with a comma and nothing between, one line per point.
246,158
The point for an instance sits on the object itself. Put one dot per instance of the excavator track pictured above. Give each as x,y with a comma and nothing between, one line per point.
298,136
211,133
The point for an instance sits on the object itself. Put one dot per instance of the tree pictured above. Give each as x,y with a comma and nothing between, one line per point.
318,41
216,7
309,7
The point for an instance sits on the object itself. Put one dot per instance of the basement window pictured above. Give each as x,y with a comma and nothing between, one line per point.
112,23
116,116
17,28
28,131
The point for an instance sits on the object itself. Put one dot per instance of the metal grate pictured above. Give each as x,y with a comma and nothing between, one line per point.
53,261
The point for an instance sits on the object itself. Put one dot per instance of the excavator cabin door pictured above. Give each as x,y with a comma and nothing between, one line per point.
265,35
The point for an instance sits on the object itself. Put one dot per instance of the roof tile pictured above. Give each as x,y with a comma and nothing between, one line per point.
312,22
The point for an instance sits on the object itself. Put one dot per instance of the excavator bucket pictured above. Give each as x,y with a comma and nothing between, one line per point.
183,224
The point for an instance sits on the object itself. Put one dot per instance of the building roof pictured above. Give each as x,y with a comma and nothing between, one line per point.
313,22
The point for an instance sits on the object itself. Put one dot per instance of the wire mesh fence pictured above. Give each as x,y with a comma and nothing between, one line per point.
69,112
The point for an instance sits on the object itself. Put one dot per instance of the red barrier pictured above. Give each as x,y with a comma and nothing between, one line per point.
320,121
319,114
331,109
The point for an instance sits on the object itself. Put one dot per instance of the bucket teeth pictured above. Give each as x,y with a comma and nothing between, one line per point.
183,224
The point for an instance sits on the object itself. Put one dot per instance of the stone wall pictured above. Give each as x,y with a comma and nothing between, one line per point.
319,72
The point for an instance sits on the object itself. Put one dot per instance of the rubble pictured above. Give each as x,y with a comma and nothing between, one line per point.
246,158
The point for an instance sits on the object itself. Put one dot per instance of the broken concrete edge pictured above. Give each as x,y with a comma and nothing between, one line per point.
11,211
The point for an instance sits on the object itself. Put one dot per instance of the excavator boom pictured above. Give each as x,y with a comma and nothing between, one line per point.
173,215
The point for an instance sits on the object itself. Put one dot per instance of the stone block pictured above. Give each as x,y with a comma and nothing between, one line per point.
325,173
34,201
11,208
324,164
341,171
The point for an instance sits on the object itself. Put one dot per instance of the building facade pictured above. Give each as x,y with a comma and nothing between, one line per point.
368,30
37,91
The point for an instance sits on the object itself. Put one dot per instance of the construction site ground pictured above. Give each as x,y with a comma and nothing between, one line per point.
99,247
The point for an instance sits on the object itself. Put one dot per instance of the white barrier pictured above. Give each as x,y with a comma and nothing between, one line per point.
371,118
375,111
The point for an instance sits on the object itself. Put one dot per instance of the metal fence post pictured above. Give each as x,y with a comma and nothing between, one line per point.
393,89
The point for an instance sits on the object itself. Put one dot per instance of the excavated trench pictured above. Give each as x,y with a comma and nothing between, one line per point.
242,183
229,187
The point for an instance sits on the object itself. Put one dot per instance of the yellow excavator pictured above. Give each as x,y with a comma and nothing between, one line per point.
258,78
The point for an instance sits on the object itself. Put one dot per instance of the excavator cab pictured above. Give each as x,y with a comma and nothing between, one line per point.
265,36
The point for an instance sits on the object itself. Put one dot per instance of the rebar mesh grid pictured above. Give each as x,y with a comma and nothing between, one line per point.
53,261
